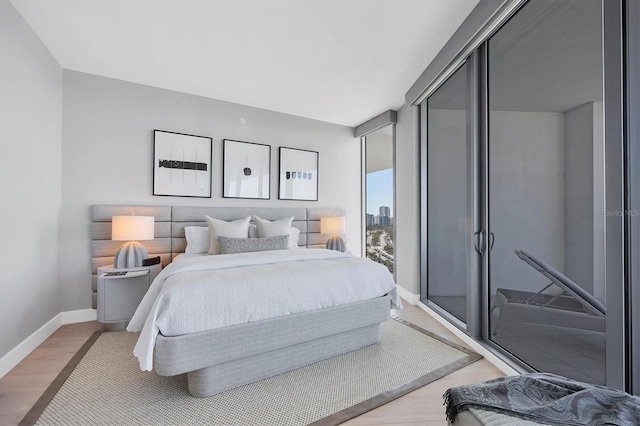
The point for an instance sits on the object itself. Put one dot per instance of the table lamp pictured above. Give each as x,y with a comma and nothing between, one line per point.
131,228
333,226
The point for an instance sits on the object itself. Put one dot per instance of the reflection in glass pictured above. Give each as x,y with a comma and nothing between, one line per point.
447,195
546,188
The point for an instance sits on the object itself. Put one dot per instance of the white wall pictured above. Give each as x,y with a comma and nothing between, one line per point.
584,188
107,159
407,216
526,195
30,190
579,195
599,219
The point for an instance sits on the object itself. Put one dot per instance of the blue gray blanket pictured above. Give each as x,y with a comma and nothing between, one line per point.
548,399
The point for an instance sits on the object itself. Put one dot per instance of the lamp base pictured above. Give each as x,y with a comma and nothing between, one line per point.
336,243
130,255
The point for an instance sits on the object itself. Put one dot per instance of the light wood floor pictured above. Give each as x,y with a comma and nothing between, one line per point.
23,385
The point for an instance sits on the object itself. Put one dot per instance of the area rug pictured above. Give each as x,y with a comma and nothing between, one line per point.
103,385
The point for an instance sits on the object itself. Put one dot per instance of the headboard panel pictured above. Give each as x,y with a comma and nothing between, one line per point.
170,223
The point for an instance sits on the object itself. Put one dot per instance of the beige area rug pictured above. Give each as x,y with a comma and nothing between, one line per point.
103,385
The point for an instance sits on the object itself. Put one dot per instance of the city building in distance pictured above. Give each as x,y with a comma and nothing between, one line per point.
379,247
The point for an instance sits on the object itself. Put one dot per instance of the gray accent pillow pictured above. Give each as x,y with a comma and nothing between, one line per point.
244,245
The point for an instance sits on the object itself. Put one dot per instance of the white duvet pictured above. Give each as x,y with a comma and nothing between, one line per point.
194,294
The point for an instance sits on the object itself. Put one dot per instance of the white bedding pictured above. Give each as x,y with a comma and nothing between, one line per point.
202,293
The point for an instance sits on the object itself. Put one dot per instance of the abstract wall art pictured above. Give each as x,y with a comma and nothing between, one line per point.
181,164
246,170
298,174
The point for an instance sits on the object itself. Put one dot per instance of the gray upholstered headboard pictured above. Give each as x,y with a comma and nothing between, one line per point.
170,222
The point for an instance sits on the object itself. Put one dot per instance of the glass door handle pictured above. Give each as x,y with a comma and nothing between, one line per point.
492,240
479,243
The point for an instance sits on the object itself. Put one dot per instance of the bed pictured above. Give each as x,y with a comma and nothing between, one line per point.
229,320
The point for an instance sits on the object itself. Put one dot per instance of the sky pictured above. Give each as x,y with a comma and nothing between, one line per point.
380,191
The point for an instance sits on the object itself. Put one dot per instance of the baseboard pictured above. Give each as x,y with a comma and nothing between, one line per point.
20,352
413,299
473,344
81,315
17,354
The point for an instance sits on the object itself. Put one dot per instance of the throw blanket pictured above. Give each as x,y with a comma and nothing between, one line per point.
548,399
207,292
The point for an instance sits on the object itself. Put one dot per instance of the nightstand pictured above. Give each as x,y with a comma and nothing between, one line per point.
120,291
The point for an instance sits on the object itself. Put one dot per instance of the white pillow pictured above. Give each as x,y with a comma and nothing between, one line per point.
274,228
267,228
294,235
220,228
198,239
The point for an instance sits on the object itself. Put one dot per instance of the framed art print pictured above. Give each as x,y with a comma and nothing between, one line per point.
181,164
298,174
246,170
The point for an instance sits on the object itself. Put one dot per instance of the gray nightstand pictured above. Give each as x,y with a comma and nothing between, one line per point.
120,295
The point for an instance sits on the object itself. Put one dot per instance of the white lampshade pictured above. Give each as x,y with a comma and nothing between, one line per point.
332,225
132,228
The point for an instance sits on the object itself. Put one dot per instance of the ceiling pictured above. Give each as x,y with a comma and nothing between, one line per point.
338,61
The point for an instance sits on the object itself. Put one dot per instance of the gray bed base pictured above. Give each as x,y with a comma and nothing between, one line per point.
225,358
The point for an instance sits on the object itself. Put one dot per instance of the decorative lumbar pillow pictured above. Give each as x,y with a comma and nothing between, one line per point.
294,235
267,228
198,239
220,228
244,245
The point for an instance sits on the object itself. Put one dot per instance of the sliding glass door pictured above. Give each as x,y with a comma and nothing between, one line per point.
527,203
447,187
547,281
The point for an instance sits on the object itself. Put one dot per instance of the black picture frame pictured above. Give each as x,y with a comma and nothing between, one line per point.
182,164
298,174
246,170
